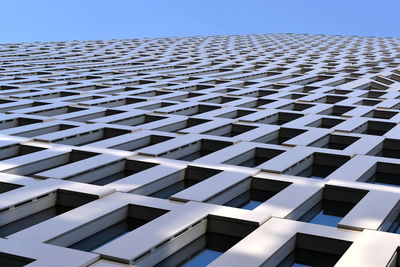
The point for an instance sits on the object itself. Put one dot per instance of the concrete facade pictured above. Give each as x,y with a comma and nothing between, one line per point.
253,150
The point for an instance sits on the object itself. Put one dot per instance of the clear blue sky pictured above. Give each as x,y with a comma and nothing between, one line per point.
53,20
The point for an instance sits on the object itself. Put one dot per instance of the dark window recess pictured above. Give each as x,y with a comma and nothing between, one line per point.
332,99
45,130
335,204
390,149
175,127
280,118
131,167
258,103
236,114
108,112
94,136
297,106
368,102
156,106
142,142
325,123
220,100
192,176
381,114
201,252
260,191
337,110
333,141
5,187
219,237
375,128
207,146
138,120
315,251
57,111
280,136
119,102
231,130
260,156
395,226
321,165
195,110
386,174
7,124
10,260
18,150
64,201
73,156
137,216
294,96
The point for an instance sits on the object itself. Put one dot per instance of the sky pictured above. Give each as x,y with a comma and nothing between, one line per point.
59,20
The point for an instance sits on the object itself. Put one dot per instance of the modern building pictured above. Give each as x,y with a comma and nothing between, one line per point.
252,150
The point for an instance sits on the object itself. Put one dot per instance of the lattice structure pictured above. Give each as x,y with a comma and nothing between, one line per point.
254,150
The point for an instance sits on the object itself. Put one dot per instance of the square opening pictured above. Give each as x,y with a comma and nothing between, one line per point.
317,166
332,99
260,191
110,173
390,149
231,130
333,141
133,217
376,128
45,130
236,114
96,115
119,102
11,123
386,174
142,142
138,120
280,136
202,148
311,250
18,150
336,202
31,212
220,100
11,260
381,114
218,236
297,106
368,102
258,103
257,157
280,118
326,123
6,187
56,111
34,168
337,110
175,127
195,110
190,176
89,137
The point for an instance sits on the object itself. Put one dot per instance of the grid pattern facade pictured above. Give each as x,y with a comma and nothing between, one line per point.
253,150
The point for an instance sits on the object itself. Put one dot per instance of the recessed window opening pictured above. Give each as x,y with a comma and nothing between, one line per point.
260,191
315,251
192,175
335,204
333,141
41,209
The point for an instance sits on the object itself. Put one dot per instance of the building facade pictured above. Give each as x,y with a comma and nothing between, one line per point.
252,150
